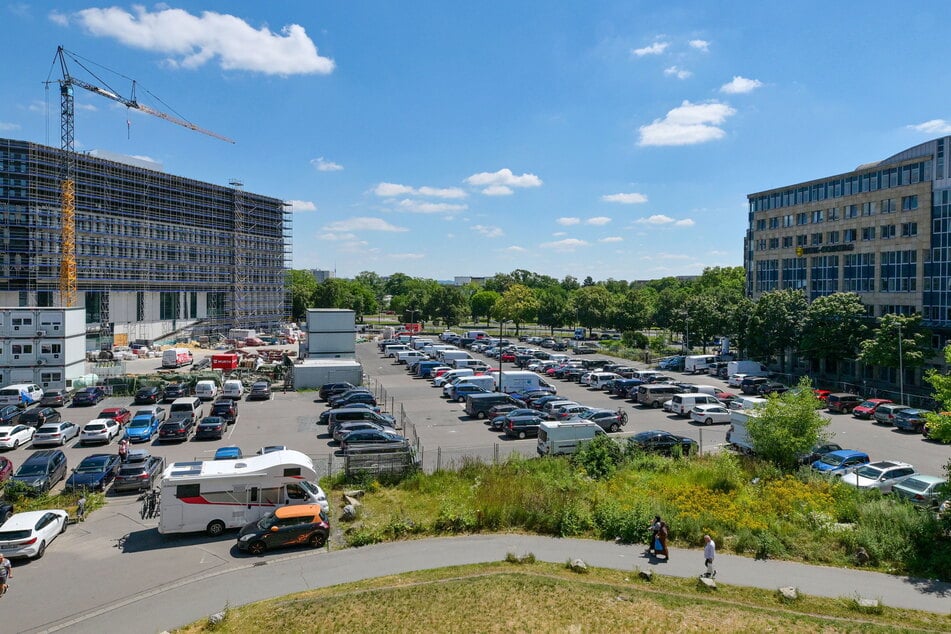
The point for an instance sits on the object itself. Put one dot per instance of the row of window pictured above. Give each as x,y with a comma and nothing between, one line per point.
897,273
887,206
886,232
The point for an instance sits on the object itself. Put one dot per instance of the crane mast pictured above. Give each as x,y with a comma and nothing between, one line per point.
67,269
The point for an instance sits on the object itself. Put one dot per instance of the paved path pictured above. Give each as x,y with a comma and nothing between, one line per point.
254,579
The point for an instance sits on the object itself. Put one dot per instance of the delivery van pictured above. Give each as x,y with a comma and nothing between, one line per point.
177,357
565,438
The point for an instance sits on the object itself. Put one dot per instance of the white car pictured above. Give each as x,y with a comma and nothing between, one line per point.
28,534
711,414
55,433
735,380
669,406
12,436
99,430
159,412
879,475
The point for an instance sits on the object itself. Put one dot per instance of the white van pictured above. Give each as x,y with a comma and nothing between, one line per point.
699,362
452,375
473,364
681,404
487,383
22,394
206,390
747,402
737,435
393,348
565,438
409,356
232,389
177,357
597,380
521,381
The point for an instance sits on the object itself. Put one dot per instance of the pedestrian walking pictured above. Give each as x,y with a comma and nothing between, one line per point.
653,544
81,509
662,539
709,554
123,449
6,573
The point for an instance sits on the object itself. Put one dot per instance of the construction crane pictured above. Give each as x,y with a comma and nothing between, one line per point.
67,269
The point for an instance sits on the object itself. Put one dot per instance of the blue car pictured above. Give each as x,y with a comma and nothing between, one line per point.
840,462
228,453
142,427
89,396
95,472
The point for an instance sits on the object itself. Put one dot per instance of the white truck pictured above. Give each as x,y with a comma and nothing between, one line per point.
565,438
737,435
520,381
748,367
214,495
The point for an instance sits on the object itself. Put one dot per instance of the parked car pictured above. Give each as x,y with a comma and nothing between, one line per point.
260,391
880,475
173,391
923,491
885,414
710,414
211,427
818,451
374,439
867,408
751,384
139,472
121,415
840,462
95,472
42,469
608,419
26,535
343,429
228,453
99,430
353,397
771,387
55,433
294,525
328,390
56,398
911,419
226,409
159,412
12,436
89,395
843,403
270,449
10,414
6,470
664,442
143,426
39,416
522,423
179,429
149,394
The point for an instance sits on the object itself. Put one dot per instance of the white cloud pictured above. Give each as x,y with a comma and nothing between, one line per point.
567,222
687,124
6,127
632,198
388,190
686,222
558,234
363,224
598,221
677,72
488,231
407,256
420,207
656,219
301,205
612,239
701,45
194,40
568,244
502,182
935,126
740,85
59,18
516,249
88,107
323,165
654,49
337,237
357,246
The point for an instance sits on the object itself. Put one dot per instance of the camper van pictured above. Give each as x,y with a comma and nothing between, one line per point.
565,438
214,495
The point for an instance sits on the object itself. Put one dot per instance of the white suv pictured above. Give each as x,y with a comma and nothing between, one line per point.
880,475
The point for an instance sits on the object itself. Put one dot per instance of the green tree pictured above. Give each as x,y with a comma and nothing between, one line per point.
499,282
833,328
570,283
788,426
481,303
630,311
592,306
448,304
396,284
518,304
301,285
776,324
939,425
882,348
600,457
553,310
372,281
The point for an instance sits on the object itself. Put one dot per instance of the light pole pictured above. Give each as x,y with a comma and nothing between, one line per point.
901,367
412,329
501,321
686,342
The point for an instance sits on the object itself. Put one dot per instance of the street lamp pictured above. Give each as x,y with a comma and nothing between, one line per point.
501,322
901,367
686,342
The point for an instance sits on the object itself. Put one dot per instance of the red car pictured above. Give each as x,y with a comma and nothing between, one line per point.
868,407
120,414
6,468
508,356
822,395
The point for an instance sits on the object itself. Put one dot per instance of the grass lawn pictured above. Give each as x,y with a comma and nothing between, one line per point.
544,597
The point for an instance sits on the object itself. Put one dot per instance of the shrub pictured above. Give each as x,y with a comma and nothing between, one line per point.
575,520
939,427
363,536
629,524
634,339
600,457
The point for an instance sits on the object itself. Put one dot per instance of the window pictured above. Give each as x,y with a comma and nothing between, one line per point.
787,242
187,491
774,243
794,273
21,348
898,271
51,348
908,203
140,306
868,233
888,231
848,235
833,237
832,214
868,208
788,220
766,275
802,240
850,211
825,275
774,222
761,224
292,472
802,218
859,272
817,215
887,206
816,239
909,229
169,306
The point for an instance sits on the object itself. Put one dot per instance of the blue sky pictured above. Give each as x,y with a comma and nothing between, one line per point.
611,139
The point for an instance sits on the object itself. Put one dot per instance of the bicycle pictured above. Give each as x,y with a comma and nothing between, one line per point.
150,504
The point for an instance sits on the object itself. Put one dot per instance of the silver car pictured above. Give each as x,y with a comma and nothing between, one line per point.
924,491
160,413
341,430
99,430
55,434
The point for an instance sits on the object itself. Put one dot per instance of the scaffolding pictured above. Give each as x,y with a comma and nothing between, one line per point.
142,230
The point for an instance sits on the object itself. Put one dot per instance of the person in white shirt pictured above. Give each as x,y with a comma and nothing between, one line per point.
709,553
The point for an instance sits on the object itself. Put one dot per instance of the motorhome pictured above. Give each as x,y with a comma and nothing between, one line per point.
565,438
215,495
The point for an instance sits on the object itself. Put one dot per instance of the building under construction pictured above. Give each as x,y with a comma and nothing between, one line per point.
156,254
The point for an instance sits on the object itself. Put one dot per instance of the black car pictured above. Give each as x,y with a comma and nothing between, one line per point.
260,391
333,389
42,470
173,391
39,416
522,426
211,427
356,397
294,525
56,398
499,421
179,429
10,415
226,409
771,387
89,396
750,384
663,442
149,395
818,451
94,472
367,440
139,472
